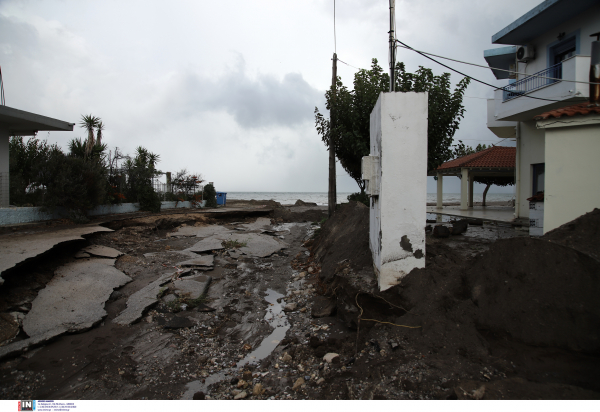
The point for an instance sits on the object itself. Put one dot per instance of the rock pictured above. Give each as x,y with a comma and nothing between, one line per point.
320,381
241,395
247,376
459,227
303,310
81,255
258,389
303,203
242,383
311,269
298,384
290,307
301,275
332,358
286,358
234,381
199,396
441,231
322,307
169,298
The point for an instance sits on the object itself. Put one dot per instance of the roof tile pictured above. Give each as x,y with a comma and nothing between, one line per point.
581,108
494,157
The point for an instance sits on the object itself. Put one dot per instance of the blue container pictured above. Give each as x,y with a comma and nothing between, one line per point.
221,198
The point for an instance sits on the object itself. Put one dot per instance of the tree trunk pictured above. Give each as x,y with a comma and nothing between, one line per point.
485,193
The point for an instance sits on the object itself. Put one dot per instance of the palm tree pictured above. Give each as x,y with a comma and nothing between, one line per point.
89,122
99,128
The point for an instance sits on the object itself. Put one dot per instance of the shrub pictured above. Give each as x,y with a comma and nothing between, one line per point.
210,195
359,197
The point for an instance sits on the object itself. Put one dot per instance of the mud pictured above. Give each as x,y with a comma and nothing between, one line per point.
255,334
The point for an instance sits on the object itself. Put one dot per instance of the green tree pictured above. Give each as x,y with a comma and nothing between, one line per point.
353,108
140,171
89,123
210,195
461,150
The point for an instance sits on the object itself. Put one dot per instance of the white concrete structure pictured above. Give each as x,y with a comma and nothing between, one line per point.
554,38
396,175
14,122
572,146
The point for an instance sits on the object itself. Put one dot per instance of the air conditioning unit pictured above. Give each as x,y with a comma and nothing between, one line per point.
525,53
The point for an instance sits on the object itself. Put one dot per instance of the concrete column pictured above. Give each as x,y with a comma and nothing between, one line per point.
440,191
398,131
464,189
471,181
4,168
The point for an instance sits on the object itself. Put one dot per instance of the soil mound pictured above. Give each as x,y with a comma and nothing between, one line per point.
303,203
344,238
581,234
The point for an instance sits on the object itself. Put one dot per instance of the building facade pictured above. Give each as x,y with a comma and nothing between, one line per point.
546,63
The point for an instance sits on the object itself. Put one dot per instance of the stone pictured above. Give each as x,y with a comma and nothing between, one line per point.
322,307
320,381
441,231
241,395
81,255
459,227
247,376
286,358
298,384
332,358
242,383
102,251
74,299
258,389
290,307
169,298
311,269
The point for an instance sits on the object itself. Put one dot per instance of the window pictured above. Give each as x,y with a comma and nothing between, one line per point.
538,178
563,49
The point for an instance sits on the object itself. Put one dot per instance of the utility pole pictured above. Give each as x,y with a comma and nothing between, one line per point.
392,44
332,199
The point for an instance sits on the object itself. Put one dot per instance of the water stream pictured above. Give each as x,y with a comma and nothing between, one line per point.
277,319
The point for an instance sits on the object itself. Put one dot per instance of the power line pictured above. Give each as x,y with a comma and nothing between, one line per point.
473,78
496,68
341,61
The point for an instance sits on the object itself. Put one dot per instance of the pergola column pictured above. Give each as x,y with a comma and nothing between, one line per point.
440,191
464,188
4,168
471,181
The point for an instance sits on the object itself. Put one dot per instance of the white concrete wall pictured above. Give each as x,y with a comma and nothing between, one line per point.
398,214
17,215
572,171
531,147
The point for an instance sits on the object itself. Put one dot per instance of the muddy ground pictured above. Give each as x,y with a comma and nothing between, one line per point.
304,322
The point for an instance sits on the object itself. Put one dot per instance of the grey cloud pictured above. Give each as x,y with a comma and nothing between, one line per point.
264,101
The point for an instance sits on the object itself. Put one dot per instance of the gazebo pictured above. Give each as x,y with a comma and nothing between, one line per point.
14,122
495,161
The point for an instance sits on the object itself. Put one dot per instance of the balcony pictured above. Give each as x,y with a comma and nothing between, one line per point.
535,81
536,94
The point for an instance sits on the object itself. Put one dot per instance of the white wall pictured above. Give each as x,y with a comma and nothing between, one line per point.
398,214
572,171
531,147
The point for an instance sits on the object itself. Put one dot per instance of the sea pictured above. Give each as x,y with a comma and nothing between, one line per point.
320,198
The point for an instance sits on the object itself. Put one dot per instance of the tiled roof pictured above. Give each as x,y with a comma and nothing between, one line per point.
494,157
581,108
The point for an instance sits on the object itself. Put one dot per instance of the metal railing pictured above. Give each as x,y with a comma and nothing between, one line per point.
533,82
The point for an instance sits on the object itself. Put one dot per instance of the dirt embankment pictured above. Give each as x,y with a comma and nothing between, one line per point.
519,321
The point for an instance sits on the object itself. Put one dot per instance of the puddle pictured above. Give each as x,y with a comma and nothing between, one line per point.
277,319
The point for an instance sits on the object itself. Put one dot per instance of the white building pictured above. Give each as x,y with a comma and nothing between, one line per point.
548,48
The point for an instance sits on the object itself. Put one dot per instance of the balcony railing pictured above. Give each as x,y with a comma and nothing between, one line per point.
533,82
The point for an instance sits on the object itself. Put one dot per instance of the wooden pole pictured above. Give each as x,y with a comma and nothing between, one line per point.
332,199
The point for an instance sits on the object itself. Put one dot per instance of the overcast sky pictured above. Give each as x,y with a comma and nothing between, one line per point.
228,89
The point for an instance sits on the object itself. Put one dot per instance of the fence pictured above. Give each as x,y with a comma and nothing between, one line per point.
533,82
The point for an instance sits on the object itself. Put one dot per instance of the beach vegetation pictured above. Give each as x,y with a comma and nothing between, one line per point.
210,195
352,110
361,197
233,244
